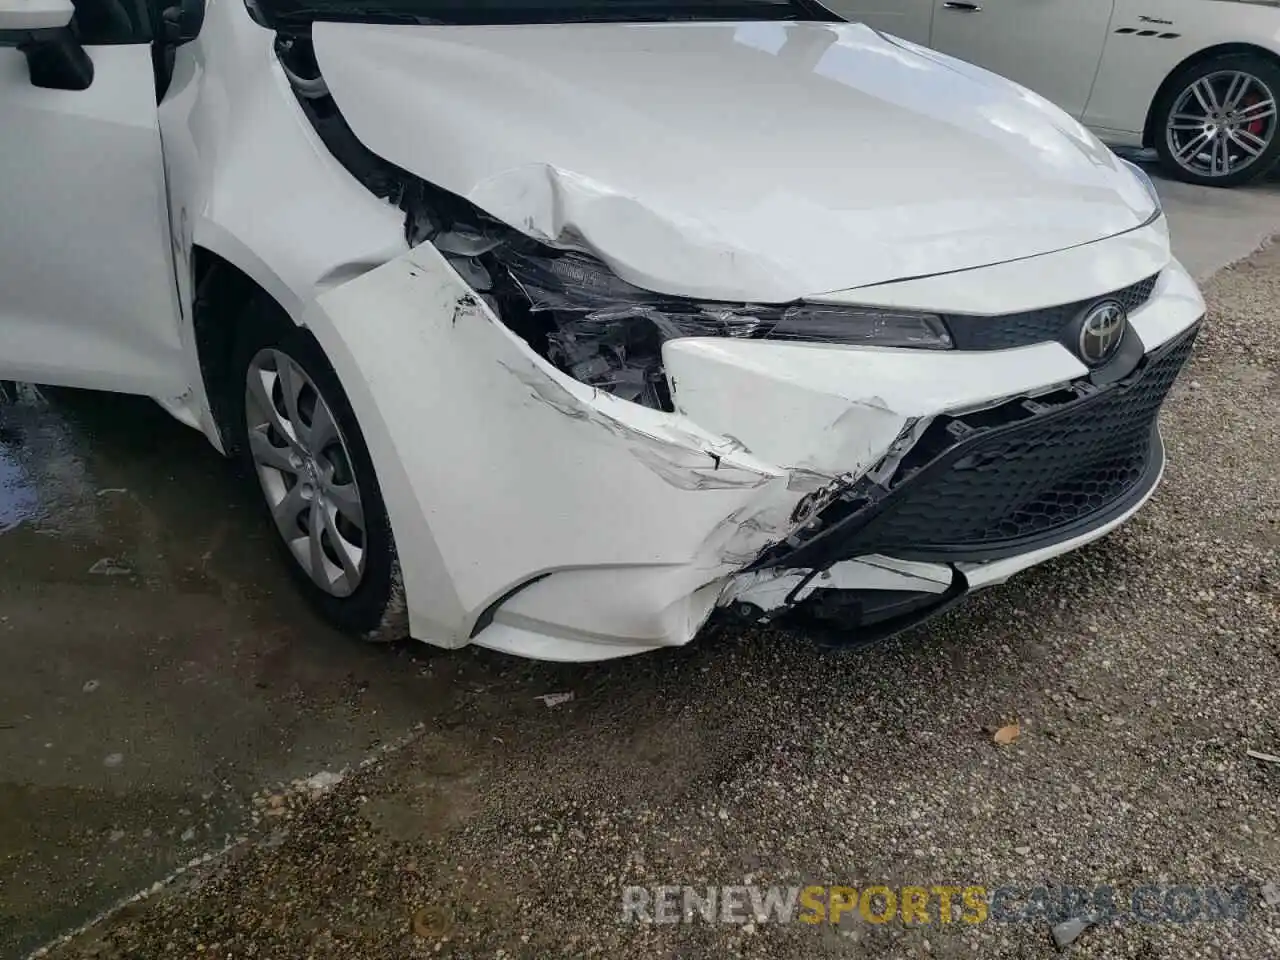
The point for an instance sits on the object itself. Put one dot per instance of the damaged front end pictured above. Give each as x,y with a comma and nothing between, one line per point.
565,301
964,500
585,468
607,333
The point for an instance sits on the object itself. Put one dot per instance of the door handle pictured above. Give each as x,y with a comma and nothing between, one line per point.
963,6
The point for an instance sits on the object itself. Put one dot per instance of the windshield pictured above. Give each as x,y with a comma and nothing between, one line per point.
474,12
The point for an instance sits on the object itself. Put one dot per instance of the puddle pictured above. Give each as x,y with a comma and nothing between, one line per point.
156,664
18,499
45,482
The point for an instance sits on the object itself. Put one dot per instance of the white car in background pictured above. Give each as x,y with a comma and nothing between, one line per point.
560,337
1197,80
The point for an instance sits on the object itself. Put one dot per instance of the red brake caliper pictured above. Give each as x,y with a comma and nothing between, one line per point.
1257,126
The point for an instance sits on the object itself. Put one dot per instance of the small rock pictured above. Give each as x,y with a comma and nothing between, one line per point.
188,835
1007,734
1271,894
1022,851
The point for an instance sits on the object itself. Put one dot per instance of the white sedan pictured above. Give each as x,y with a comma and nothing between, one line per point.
563,337
1197,80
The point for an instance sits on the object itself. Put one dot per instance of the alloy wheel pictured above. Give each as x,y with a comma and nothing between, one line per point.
1221,123
304,467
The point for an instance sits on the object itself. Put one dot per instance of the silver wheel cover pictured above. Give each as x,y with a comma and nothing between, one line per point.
304,466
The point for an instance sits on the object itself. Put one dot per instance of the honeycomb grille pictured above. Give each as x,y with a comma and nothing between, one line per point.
1036,326
998,482
1050,471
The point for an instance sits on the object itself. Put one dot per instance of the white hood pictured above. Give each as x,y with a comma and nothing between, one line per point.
751,161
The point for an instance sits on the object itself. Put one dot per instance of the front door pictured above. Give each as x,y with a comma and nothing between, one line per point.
1052,46
87,291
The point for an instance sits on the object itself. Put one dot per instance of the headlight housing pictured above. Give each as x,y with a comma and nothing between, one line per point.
608,333
1145,179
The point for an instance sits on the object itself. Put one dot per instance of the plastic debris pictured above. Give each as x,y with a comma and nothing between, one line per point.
324,780
554,699
1067,932
1265,757
111,567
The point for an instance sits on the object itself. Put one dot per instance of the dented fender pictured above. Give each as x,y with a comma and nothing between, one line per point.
499,470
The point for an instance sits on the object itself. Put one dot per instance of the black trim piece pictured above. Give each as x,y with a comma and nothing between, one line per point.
59,63
489,612
298,15
837,619
423,203
1045,325
1122,363
22,38
1135,32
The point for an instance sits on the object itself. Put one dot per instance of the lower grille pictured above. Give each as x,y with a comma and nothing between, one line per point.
994,483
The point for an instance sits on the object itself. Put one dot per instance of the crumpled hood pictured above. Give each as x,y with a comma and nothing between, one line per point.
747,161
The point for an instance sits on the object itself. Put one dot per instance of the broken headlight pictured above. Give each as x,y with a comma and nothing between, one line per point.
605,332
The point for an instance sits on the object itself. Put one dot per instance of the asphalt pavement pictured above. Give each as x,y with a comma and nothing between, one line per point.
175,724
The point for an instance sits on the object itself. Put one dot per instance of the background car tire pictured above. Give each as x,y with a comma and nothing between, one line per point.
366,602
1180,99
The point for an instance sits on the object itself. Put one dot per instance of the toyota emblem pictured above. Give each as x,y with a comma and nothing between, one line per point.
1101,331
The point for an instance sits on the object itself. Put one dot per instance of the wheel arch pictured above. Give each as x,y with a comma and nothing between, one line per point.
1200,56
222,291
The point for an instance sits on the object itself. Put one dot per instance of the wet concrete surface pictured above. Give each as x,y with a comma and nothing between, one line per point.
156,665
1212,228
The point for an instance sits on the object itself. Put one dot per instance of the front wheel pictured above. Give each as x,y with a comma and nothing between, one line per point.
299,438
1216,122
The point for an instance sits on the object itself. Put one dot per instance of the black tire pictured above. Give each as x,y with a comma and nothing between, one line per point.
374,610
1265,72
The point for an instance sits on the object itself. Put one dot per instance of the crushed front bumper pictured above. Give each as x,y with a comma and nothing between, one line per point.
538,516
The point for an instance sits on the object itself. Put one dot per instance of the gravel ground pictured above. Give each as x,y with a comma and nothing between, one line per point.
1139,671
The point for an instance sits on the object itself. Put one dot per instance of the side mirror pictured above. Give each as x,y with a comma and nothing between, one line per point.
41,29
182,21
